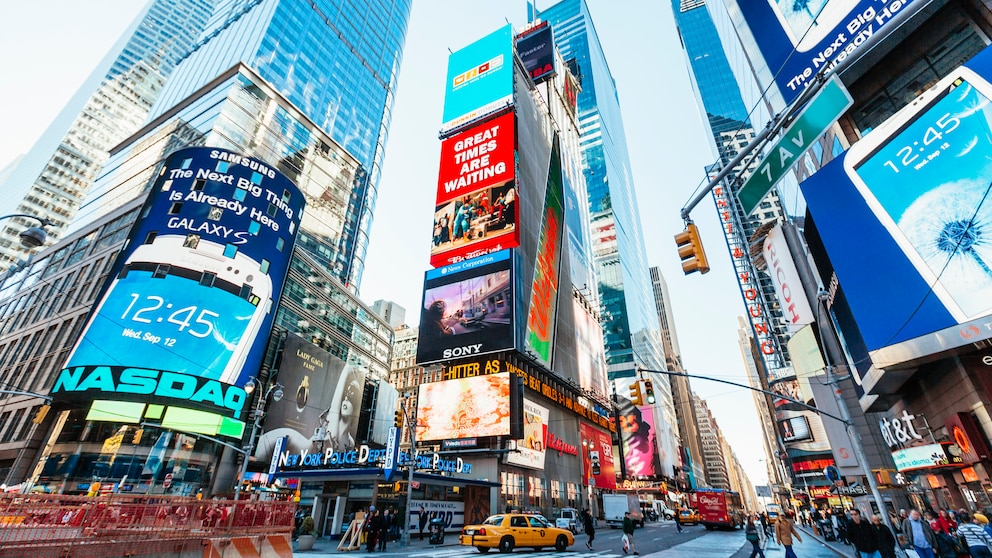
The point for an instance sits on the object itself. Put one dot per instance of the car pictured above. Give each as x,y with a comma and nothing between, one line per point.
507,531
568,518
688,516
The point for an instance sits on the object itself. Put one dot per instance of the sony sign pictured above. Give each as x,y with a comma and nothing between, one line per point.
785,277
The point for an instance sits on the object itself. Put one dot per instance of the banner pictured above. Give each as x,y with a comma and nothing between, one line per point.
544,294
480,79
531,449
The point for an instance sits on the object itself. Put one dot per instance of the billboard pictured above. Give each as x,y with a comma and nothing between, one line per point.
188,306
464,408
476,208
794,429
544,298
929,456
788,288
591,361
387,401
536,47
321,405
902,214
531,449
799,39
480,79
467,310
598,468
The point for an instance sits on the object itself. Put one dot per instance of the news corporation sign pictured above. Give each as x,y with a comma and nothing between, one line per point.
365,456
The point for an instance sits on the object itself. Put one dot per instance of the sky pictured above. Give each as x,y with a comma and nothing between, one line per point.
44,64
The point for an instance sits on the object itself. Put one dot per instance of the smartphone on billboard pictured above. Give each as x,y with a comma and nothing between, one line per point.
809,22
926,173
181,303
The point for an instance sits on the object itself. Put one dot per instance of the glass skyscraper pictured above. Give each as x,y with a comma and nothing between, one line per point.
336,63
52,179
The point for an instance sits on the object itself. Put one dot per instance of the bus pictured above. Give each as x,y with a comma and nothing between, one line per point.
718,508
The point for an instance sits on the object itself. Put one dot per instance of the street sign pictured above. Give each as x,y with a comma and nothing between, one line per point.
813,120
392,453
168,480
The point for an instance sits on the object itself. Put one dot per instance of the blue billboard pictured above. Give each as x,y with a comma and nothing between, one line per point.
480,79
906,220
185,314
798,39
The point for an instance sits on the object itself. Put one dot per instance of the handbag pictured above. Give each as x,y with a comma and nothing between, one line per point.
752,536
626,542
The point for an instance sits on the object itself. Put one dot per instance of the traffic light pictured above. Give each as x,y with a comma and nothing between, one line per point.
398,419
39,417
649,392
635,393
137,436
691,250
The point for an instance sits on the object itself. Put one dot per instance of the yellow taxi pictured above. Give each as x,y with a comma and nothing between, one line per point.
688,516
509,530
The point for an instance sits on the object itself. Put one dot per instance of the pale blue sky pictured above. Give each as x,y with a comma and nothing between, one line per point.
51,46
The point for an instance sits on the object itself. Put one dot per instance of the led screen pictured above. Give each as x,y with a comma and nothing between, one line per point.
468,309
185,314
537,50
794,429
464,408
531,449
547,267
480,79
320,407
598,467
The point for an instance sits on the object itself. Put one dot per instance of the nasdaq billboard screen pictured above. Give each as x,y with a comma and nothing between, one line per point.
184,317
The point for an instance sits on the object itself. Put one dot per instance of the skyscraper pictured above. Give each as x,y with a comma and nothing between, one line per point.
337,65
51,181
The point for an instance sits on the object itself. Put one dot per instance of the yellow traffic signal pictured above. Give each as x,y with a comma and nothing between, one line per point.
649,392
137,436
398,419
39,417
691,250
635,393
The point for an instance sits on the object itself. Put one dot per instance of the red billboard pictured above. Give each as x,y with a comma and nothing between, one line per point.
598,468
476,209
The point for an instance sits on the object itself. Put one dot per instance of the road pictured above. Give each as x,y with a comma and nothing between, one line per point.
655,539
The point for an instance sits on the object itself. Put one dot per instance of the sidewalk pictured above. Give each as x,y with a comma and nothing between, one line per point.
327,547
840,549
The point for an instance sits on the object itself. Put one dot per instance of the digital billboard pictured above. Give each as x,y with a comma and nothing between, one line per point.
321,405
476,208
598,468
480,79
544,294
794,429
639,435
799,39
184,316
536,47
467,309
531,449
902,217
464,408
591,361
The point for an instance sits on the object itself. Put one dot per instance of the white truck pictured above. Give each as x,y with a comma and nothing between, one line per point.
568,518
616,505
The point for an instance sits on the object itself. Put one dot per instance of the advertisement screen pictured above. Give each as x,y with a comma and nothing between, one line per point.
598,468
906,208
184,317
794,429
476,209
480,79
639,434
468,309
320,408
536,48
464,408
591,359
544,294
531,449
798,39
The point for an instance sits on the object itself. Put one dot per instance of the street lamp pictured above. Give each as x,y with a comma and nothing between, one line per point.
275,392
32,237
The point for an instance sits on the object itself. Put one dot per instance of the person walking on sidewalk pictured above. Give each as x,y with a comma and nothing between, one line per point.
422,520
751,534
628,534
785,529
678,519
863,536
918,533
588,527
975,537
886,540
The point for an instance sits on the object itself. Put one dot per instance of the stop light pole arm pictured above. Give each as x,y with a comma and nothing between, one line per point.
766,392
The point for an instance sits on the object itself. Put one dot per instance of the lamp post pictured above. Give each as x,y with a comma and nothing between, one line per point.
275,392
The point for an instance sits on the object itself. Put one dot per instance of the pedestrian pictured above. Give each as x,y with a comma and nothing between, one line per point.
886,539
628,534
918,533
588,527
785,529
678,519
422,520
374,526
975,537
751,534
385,522
863,536
764,523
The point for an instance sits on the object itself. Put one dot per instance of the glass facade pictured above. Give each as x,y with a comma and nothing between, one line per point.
53,178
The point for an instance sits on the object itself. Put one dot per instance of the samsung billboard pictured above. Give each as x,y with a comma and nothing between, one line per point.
904,216
188,307
467,309
480,79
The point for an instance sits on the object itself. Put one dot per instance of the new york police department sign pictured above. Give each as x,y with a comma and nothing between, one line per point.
364,456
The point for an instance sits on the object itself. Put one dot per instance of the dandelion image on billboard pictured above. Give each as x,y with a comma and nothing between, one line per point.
929,184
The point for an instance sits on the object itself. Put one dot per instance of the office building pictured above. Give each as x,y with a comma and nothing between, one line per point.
393,313
53,178
711,438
